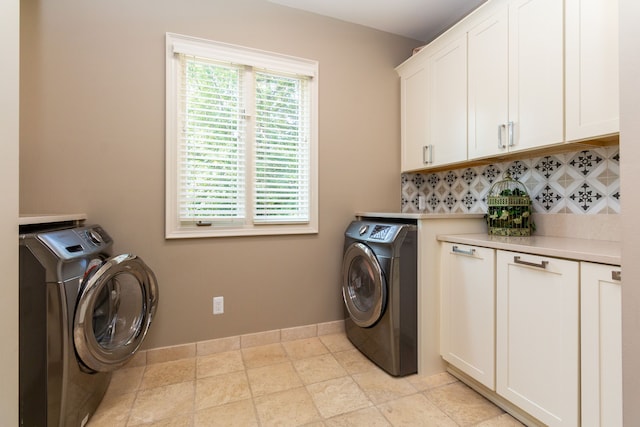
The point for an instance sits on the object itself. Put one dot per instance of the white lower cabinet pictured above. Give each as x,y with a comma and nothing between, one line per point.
601,345
537,336
468,307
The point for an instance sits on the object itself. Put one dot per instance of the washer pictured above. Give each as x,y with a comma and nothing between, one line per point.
82,315
379,289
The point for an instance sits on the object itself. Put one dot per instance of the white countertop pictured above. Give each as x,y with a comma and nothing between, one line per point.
30,219
420,216
599,251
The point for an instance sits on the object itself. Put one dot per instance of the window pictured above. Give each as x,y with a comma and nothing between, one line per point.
241,141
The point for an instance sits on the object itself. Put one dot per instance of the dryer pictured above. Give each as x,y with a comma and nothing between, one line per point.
379,290
83,313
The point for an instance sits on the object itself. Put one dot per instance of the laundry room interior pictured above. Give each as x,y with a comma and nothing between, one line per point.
252,326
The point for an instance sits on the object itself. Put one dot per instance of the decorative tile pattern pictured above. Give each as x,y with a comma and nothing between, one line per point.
583,182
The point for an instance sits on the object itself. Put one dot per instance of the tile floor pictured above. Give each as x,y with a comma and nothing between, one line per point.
319,381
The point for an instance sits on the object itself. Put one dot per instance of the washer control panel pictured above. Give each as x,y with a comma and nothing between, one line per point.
381,232
76,242
370,231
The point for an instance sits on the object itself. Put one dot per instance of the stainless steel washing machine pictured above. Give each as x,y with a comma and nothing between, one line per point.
83,313
379,289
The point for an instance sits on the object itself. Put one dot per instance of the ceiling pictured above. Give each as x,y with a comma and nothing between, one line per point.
422,20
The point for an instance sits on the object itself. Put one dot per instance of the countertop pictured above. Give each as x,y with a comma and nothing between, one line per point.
30,219
598,251
419,216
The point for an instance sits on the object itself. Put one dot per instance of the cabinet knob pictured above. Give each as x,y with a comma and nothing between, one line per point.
616,275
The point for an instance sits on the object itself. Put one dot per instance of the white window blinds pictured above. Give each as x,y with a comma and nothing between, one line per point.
281,175
220,140
211,169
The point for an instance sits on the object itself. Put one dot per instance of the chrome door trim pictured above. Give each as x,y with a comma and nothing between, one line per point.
90,352
369,317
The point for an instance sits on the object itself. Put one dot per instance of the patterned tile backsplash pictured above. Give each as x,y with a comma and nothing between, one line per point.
582,182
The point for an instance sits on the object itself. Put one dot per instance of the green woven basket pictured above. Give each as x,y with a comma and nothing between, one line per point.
509,208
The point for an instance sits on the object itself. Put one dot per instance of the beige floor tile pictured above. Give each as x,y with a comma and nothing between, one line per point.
415,411
504,420
381,387
221,389
462,404
219,363
427,382
162,374
264,355
236,414
113,410
337,396
336,342
292,407
369,417
304,348
354,361
273,378
319,368
159,403
126,380
179,421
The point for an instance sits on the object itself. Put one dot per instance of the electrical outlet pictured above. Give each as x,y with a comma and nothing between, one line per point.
422,203
218,305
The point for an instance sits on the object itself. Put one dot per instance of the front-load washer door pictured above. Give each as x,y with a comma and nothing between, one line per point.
364,288
115,307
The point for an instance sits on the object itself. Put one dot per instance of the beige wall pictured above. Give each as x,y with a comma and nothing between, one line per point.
92,140
9,76
630,176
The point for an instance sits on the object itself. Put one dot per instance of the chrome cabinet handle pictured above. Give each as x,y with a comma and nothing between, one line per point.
543,264
501,128
511,134
616,275
457,250
427,154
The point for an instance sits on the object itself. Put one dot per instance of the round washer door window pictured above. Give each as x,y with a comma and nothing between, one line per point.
364,287
115,307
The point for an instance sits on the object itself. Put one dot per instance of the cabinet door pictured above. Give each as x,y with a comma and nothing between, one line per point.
468,310
536,73
537,346
488,86
601,346
414,135
448,103
592,89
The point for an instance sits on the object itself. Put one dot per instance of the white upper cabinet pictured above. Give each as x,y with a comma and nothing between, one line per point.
489,86
592,92
516,79
447,142
414,83
434,102
514,75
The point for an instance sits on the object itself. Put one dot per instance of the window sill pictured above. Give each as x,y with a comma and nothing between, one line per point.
194,232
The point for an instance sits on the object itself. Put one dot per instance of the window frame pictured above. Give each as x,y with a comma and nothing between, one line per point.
176,44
